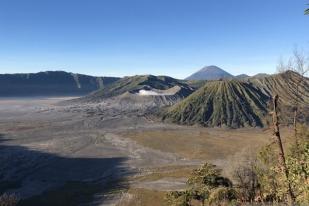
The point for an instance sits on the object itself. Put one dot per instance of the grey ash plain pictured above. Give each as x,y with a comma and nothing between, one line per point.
44,144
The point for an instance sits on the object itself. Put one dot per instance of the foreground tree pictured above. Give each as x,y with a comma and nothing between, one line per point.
299,173
282,160
176,198
272,181
203,180
205,185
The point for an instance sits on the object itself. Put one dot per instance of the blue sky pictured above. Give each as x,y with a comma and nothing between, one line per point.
167,37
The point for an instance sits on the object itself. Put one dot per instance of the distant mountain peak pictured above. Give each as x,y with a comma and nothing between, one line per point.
211,67
242,76
211,72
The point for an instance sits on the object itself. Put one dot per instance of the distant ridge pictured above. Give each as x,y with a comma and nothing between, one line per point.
260,75
147,84
210,73
284,84
242,76
50,83
239,103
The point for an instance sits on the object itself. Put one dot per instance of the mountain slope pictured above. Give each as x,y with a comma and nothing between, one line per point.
138,87
221,103
260,75
235,103
285,85
242,77
210,73
50,83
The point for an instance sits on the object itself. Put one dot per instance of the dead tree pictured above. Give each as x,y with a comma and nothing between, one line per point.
299,64
282,162
301,67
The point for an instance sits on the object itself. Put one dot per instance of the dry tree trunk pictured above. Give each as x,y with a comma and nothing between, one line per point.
296,112
282,162
295,127
301,67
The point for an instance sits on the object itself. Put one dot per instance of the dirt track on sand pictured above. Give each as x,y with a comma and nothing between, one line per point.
44,145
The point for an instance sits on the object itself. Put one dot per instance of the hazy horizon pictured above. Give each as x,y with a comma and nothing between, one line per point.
173,38
121,76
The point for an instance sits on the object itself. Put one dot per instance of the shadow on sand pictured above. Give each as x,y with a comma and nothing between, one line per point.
40,178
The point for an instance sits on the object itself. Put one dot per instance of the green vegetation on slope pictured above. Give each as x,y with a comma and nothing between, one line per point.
136,83
221,103
236,103
196,84
285,85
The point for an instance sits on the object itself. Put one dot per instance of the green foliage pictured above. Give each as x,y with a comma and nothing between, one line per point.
232,103
272,180
298,164
202,183
176,198
222,194
208,176
196,83
268,175
262,179
229,103
203,180
135,83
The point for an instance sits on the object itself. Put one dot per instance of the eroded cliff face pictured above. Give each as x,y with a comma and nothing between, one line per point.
51,83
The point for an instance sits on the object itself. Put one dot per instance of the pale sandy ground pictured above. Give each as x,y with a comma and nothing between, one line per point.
44,145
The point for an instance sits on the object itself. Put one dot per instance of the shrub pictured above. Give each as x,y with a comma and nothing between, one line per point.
176,198
202,183
8,200
273,182
243,172
298,165
222,194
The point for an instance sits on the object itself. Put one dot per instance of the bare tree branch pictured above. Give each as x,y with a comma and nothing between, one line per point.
282,161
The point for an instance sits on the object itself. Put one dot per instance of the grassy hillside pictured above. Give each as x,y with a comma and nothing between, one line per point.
221,103
236,103
196,84
285,84
135,83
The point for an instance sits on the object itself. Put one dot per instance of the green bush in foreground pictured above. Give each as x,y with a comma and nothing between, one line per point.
205,185
268,184
273,183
